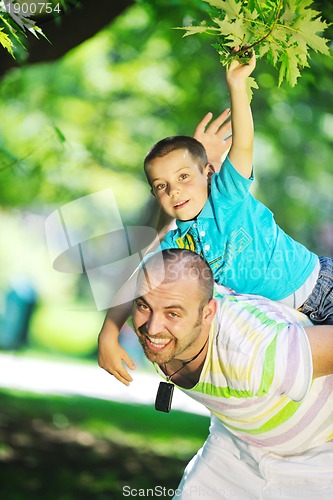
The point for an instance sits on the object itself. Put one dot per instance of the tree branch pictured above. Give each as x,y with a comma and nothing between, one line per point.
75,26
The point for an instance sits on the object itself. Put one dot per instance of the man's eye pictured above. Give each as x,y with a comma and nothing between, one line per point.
141,306
173,315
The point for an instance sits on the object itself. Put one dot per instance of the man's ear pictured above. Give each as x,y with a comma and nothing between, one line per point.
209,311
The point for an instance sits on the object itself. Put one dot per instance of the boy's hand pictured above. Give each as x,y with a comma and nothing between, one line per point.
238,71
213,137
111,357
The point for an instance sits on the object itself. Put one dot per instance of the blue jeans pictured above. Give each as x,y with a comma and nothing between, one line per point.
319,305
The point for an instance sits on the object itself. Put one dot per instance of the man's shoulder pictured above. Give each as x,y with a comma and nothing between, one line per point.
257,309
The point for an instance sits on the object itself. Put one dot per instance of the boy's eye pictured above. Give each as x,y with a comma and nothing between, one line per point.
183,176
158,187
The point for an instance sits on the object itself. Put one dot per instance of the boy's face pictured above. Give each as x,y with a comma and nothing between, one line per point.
179,186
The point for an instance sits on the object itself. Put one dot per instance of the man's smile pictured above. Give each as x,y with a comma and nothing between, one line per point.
157,344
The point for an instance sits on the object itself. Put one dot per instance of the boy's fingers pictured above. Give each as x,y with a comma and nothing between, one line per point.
224,130
200,128
218,122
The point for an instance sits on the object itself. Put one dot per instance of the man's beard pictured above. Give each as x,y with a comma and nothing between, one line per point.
155,357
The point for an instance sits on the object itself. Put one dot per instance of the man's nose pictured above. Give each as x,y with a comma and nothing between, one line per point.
154,324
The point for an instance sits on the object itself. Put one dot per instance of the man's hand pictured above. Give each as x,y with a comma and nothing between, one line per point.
214,137
111,357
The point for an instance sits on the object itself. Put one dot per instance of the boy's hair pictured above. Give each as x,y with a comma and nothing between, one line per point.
165,146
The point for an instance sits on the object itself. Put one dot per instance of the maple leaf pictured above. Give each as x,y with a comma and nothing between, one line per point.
193,30
289,67
223,25
282,31
231,7
6,42
308,29
237,36
263,49
250,84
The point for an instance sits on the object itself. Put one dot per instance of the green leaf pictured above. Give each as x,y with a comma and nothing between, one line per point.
238,33
281,31
250,84
308,29
224,26
215,3
59,134
263,49
289,67
193,30
231,7
6,42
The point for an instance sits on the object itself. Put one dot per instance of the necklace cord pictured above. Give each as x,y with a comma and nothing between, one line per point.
185,363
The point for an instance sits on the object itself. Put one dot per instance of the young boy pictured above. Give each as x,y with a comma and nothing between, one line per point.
218,218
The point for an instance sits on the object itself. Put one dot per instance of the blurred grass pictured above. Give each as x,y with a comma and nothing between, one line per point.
77,447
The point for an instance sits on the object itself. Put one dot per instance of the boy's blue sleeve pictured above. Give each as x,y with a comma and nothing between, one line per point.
231,183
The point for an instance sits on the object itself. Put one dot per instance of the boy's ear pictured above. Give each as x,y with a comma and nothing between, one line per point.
152,192
209,170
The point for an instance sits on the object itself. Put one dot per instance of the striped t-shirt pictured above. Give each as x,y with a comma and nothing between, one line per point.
257,377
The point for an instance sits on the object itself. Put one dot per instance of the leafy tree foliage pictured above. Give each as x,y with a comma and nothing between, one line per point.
65,23
85,122
16,20
283,32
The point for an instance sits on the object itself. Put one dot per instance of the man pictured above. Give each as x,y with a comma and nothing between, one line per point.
262,370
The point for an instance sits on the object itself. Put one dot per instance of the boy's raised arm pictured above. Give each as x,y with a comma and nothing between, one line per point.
241,151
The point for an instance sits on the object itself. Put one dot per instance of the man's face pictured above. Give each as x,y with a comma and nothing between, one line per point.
170,320
179,186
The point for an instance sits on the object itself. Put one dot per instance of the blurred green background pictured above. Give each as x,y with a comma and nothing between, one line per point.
79,119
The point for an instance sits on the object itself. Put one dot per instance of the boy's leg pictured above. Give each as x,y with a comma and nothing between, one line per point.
319,305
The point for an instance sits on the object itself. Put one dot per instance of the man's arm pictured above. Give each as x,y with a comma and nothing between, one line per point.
241,152
321,342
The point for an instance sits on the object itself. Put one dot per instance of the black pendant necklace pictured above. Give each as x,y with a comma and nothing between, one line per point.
165,389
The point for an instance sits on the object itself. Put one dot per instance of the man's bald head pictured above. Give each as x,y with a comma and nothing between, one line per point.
176,264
